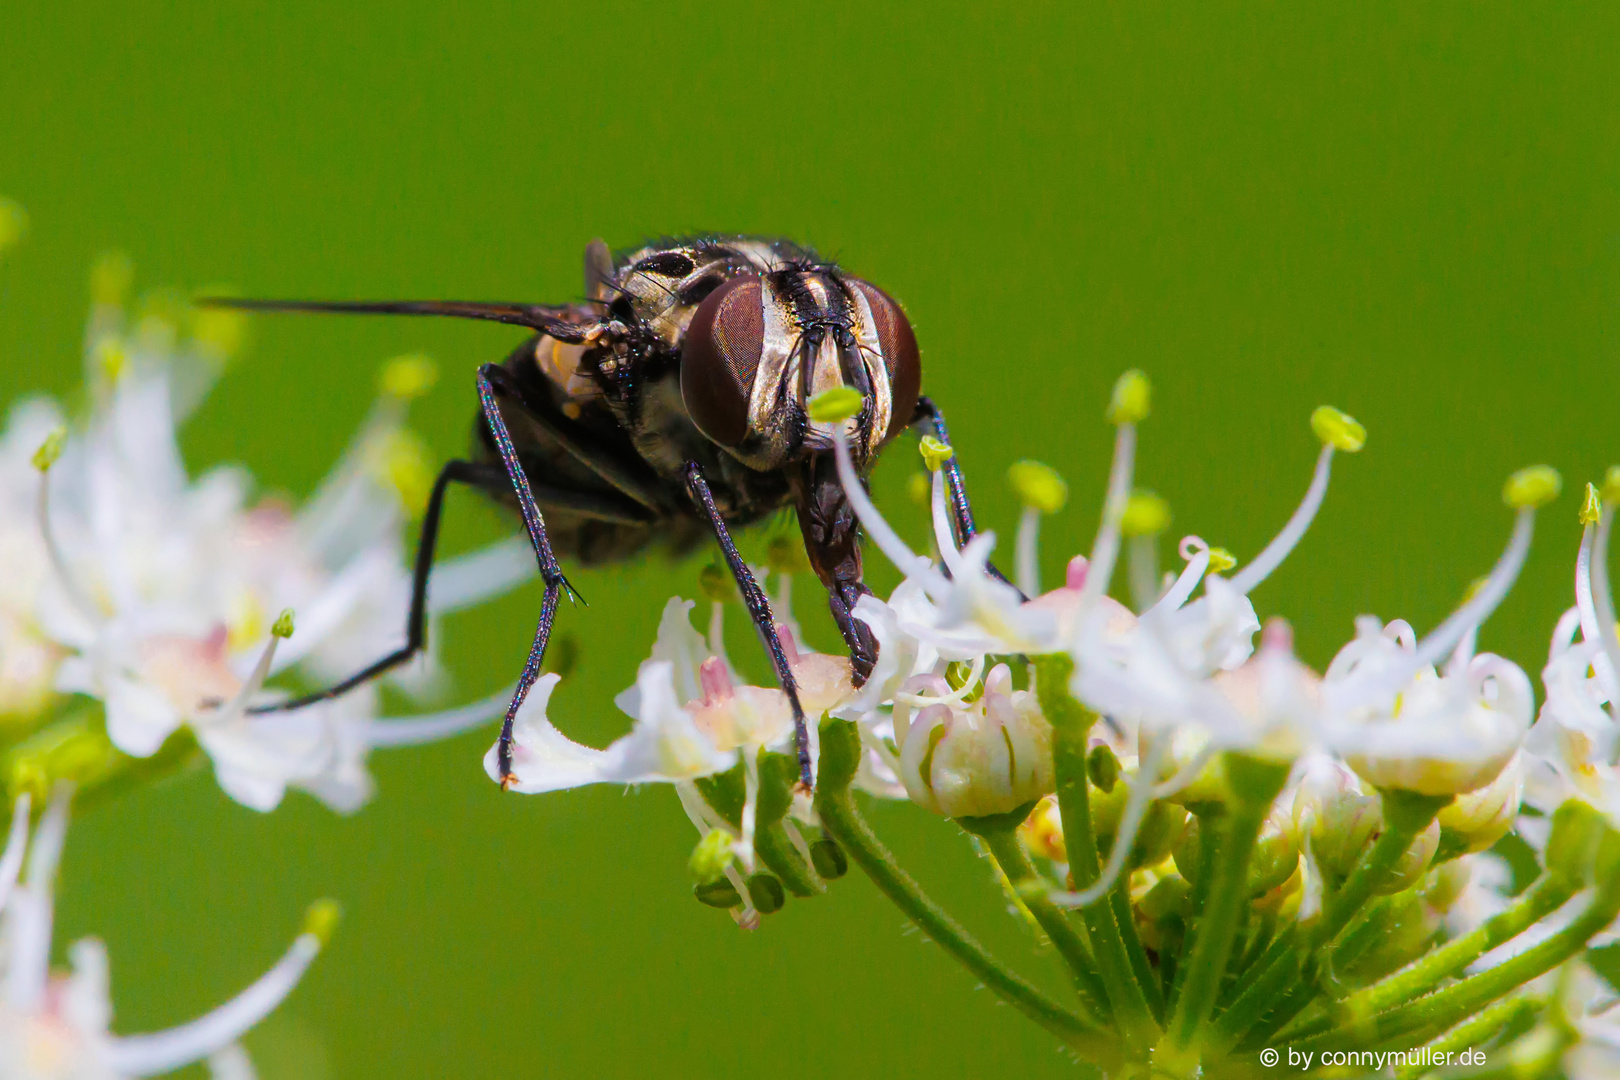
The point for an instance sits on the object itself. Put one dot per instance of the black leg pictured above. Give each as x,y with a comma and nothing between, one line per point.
929,416
759,609
550,572
491,478
626,474
463,472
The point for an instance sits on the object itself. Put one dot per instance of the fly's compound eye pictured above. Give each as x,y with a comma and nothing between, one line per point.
900,357
723,345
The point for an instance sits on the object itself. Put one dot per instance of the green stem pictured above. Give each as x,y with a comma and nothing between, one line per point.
1549,893
840,755
1472,1032
1258,783
781,858
1071,724
1257,990
1445,1008
1208,816
1009,853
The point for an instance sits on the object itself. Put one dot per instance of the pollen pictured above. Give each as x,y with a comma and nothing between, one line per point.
935,453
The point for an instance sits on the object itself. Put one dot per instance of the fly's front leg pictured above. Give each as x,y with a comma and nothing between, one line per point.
759,609
490,378
932,421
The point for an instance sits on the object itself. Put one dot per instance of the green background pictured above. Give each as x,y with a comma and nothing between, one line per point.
1409,212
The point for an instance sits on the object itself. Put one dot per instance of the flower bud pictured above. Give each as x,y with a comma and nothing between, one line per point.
975,759
1340,820
1410,867
711,856
829,859
1478,819
720,893
1163,824
1042,831
766,891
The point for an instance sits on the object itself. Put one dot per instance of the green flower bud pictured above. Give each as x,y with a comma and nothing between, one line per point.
1103,767
719,893
766,891
829,859
284,624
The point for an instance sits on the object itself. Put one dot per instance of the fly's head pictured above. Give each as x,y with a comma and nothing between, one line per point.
761,345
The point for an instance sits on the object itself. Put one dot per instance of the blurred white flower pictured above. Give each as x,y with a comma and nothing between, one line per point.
56,1026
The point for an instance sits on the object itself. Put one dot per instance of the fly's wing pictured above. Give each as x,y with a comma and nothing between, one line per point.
570,324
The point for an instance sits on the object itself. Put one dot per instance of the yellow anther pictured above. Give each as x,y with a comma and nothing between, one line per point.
1221,560
218,331
920,488
110,358
402,462
935,453
321,920
1591,506
716,584
50,450
13,222
1146,514
110,278
1132,396
409,376
785,555
284,624
1611,485
1038,485
1338,430
711,856
1532,487
839,403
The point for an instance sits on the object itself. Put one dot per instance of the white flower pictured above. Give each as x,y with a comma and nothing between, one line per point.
1443,734
1592,1008
965,758
154,593
56,1026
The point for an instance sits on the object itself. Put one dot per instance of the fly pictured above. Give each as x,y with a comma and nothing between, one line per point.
669,405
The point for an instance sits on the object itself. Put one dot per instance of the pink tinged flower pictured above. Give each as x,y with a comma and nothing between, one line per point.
56,1026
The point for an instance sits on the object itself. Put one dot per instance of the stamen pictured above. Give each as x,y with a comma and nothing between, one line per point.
944,540
747,918
237,706
750,810
1028,557
473,578
163,1051
1196,552
878,530
1476,610
432,727
31,908
1105,549
1284,542
45,457
1130,821
1602,598
11,860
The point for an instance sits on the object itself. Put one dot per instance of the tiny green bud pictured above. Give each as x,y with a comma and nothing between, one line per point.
766,891
284,624
321,920
920,488
1038,485
1338,430
935,453
785,555
50,450
1146,514
1611,484
110,278
829,859
839,403
716,584
720,894
1532,487
711,856
1221,560
407,377
1132,396
13,222
1103,767
1591,506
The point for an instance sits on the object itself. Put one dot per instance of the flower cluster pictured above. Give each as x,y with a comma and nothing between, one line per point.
1229,848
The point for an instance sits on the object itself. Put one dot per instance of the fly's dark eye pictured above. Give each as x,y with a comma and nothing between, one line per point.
899,355
723,345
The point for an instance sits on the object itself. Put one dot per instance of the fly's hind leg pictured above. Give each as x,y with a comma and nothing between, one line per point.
759,609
